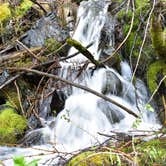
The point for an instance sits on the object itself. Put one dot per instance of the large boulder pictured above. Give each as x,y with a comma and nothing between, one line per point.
46,27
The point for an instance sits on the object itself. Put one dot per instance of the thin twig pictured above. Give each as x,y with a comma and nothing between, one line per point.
26,48
19,98
155,91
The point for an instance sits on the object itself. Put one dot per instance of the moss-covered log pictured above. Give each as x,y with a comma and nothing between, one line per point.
84,51
158,34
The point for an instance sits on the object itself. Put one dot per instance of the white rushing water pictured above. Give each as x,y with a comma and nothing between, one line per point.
85,115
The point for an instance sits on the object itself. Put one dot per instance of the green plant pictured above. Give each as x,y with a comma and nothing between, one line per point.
23,8
11,125
20,161
152,152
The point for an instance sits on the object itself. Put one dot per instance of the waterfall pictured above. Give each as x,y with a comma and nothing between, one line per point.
85,115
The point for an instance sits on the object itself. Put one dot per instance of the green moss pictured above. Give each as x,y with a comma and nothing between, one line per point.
52,45
148,153
153,69
5,12
90,158
11,125
23,8
135,39
83,51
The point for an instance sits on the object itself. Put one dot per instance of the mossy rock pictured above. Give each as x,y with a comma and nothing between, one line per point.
150,153
97,157
152,72
11,125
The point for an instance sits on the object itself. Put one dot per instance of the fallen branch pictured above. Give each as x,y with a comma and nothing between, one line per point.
9,81
40,6
11,58
79,86
84,51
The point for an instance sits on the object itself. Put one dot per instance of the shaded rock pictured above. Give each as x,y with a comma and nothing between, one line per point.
46,27
58,101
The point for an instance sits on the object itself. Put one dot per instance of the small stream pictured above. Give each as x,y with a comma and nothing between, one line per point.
85,115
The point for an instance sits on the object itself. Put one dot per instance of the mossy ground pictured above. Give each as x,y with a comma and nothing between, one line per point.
139,153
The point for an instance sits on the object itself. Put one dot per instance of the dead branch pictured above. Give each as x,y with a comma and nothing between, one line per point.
28,50
78,86
40,6
19,98
9,81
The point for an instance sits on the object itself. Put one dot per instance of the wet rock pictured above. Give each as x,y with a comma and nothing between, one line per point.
4,76
33,122
32,138
111,84
39,136
113,114
46,27
107,37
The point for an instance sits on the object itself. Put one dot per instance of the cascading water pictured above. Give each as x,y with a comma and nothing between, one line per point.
85,115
